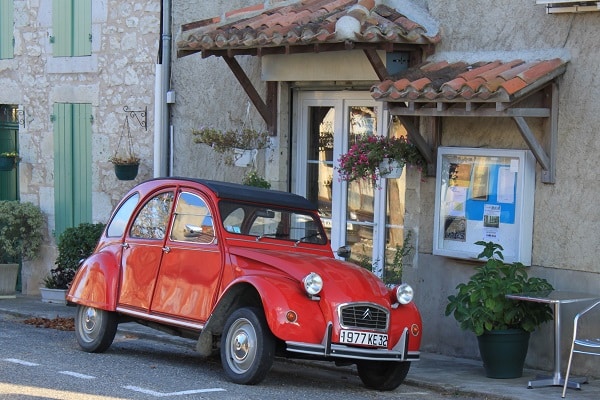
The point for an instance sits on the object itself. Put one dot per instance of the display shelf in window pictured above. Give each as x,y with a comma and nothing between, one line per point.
484,194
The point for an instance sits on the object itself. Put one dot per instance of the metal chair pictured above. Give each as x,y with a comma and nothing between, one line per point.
582,345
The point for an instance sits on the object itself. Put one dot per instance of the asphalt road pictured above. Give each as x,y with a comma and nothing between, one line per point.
47,363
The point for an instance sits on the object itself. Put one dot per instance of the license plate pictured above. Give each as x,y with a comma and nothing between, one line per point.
363,338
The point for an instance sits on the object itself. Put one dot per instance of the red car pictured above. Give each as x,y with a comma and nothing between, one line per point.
245,270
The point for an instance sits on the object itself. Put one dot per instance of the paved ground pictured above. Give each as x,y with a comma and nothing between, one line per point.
441,373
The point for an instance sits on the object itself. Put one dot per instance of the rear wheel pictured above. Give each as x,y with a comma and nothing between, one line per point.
382,375
95,328
247,346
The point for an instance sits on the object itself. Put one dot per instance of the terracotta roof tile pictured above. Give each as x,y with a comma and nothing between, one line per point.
304,22
460,81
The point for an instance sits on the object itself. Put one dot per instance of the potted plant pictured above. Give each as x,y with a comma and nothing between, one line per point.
8,160
252,178
374,157
21,236
74,244
126,167
125,162
502,325
239,146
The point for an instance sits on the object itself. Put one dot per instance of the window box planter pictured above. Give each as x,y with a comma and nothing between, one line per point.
56,296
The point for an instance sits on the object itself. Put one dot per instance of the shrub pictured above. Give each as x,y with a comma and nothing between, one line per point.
21,231
74,244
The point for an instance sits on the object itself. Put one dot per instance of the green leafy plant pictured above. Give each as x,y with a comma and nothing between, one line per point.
11,154
74,244
225,142
252,178
130,160
393,273
480,304
21,231
395,269
367,152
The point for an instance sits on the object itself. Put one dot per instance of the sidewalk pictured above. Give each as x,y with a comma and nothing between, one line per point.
433,371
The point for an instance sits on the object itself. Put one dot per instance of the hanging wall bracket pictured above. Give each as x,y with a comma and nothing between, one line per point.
141,116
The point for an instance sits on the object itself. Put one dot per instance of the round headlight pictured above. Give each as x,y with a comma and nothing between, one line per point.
404,293
313,283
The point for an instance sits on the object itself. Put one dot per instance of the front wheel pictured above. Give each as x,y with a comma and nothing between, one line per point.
247,347
382,375
95,328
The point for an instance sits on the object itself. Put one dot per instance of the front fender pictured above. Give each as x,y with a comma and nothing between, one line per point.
279,295
96,282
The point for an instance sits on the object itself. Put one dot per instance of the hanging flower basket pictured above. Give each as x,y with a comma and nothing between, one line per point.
390,168
126,165
366,156
126,172
8,161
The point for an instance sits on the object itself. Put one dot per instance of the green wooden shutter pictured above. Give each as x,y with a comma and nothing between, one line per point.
82,27
6,29
72,28
72,165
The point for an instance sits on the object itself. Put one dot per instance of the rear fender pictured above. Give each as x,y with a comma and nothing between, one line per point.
96,282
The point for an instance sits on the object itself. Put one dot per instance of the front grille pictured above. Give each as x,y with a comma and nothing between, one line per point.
363,316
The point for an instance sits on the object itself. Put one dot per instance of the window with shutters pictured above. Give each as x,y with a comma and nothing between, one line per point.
6,29
72,165
72,28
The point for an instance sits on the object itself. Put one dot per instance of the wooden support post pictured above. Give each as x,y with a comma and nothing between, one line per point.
267,113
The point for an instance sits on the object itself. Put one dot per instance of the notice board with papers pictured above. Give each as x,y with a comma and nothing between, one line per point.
484,194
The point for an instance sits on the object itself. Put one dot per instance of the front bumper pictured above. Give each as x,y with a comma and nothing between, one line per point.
327,349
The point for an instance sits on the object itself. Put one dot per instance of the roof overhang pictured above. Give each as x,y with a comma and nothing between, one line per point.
516,89
309,26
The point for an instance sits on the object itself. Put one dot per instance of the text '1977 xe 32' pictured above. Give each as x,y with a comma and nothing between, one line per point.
245,271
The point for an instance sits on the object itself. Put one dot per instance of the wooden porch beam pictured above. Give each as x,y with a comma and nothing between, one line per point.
266,112
534,145
415,137
376,63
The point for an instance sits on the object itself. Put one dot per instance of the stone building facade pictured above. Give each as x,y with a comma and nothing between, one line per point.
564,215
119,73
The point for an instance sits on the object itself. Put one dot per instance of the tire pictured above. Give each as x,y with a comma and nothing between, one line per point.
383,376
95,328
247,347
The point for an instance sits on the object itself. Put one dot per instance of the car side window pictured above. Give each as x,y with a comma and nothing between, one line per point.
117,226
233,221
193,221
152,220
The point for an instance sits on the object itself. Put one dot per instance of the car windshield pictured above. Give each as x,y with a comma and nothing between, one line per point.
267,221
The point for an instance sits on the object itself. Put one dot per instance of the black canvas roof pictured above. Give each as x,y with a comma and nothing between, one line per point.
236,191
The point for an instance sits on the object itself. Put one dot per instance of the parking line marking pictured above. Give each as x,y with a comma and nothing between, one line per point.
182,393
76,375
21,362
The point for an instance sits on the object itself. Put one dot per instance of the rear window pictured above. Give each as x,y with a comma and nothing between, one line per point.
117,226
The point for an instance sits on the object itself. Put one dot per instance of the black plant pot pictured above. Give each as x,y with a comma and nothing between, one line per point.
7,163
126,172
503,352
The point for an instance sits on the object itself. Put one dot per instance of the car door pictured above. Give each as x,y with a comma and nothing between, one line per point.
143,250
191,266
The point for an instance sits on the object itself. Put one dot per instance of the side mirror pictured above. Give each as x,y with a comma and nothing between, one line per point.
192,231
344,252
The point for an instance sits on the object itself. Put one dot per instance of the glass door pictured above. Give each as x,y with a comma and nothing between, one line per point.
366,218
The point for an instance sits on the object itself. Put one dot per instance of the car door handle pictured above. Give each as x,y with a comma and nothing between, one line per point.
125,245
166,249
